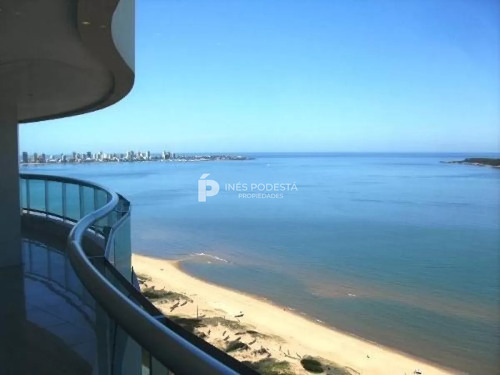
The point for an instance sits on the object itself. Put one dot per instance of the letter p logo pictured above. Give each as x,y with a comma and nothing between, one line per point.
203,193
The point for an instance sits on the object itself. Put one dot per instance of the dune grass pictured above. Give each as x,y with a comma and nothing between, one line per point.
316,365
142,277
312,365
189,324
217,320
159,294
270,366
236,345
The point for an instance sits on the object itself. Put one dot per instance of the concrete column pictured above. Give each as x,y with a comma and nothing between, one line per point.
14,351
10,218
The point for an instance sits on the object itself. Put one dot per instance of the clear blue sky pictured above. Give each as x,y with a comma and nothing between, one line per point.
300,75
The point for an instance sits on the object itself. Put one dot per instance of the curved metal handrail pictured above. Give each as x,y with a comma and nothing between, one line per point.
170,349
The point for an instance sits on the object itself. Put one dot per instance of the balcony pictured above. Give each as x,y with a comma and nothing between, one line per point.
74,305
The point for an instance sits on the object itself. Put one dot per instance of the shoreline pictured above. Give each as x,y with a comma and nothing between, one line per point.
281,326
303,315
298,313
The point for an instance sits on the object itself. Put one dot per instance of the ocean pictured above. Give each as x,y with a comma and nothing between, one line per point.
399,249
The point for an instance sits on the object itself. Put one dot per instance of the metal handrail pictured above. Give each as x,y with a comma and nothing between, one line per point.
170,349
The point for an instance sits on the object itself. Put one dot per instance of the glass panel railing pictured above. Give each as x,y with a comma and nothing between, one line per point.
72,202
55,197
23,194
36,193
101,198
146,363
128,357
130,324
158,369
122,248
66,199
112,218
87,200
127,353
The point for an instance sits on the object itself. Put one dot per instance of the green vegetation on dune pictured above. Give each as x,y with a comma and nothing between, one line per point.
159,294
189,324
321,366
312,365
265,366
216,320
143,278
254,333
236,345
270,366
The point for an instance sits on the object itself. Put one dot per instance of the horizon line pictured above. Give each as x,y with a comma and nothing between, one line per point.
277,152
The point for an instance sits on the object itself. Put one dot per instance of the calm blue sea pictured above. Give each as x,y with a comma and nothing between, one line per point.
396,248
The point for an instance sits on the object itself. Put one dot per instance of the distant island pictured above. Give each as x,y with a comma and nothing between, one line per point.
477,161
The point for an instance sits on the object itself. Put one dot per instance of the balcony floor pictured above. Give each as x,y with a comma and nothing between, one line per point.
47,318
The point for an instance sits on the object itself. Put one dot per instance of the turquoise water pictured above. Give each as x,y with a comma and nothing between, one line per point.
397,248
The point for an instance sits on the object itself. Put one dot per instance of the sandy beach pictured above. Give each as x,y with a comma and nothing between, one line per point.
253,329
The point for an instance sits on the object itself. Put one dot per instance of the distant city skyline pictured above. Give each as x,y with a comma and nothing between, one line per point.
128,156
77,157
239,76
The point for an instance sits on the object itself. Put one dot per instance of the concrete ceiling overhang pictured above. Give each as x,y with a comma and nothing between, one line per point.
58,57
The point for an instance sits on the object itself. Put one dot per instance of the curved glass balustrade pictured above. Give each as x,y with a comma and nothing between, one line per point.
140,339
70,200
